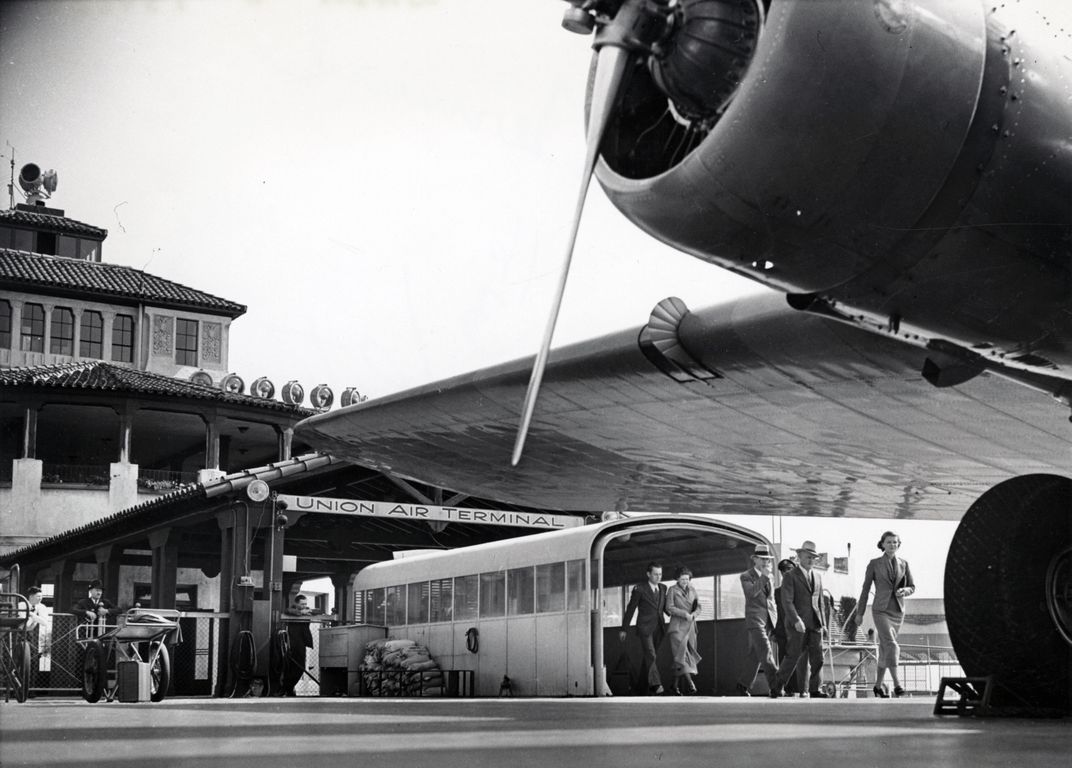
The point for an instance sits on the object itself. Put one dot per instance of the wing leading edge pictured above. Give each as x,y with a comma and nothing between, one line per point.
757,409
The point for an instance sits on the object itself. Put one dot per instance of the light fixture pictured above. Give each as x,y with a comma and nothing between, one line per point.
350,396
293,393
203,378
262,388
233,384
321,397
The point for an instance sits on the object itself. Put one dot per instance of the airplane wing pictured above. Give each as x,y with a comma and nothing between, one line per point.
749,407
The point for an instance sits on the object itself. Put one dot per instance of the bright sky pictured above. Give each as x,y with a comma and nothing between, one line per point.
385,183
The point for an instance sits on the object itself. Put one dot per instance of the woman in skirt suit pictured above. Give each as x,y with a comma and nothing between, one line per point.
893,582
683,605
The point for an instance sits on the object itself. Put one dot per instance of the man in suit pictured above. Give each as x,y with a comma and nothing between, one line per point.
802,599
300,638
94,607
793,684
760,615
648,601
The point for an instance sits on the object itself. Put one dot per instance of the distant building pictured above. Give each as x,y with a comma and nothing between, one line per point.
114,383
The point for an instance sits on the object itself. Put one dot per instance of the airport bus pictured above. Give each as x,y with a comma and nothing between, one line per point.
545,610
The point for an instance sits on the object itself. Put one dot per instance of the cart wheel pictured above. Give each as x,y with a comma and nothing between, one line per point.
93,672
160,674
22,672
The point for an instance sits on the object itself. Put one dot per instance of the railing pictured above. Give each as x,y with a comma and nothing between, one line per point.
851,668
161,480
75,474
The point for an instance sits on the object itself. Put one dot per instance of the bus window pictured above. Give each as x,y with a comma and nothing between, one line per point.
492,594
730,598
613,606
575,585
374,607
442,600
396,605
550,587
417,612
465,602
519,591
705,591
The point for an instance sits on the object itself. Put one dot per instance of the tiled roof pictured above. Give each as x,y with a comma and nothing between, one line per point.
101,376
159,508
22,269
50,222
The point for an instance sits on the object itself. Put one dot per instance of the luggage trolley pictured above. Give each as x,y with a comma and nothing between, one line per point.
140,636
14,646
854,658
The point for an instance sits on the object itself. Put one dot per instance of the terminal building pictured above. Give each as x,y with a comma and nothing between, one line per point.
127,445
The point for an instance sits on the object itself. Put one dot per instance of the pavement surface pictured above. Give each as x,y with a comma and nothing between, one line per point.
519,733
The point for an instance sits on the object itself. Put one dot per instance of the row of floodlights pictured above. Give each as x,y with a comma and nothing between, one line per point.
321,397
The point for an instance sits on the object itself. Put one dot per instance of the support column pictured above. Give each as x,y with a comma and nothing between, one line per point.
108,570
286,438
63,596
165,568
343,581
212,440
126,431
273,568
29,431
235,599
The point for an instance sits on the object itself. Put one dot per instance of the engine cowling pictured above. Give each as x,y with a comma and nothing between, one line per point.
905,158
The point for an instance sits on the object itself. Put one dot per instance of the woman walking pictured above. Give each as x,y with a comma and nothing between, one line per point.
683,605
893,582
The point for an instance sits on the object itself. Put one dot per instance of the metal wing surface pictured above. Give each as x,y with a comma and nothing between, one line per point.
749,407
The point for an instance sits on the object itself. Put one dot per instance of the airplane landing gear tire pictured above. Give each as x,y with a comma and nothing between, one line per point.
1008,587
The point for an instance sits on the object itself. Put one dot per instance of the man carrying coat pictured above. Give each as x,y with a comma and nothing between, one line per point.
760,615
802,601
648,601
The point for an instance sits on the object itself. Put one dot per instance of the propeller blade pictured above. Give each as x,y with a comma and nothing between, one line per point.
610,67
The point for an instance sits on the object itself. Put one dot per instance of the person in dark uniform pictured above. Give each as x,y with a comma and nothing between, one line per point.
301,638
793,684
648,601
94,607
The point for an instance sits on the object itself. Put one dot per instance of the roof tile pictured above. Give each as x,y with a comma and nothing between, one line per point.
35,270
99,375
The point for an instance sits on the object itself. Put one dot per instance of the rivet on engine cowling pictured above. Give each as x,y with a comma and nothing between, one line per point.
995,128
1003,90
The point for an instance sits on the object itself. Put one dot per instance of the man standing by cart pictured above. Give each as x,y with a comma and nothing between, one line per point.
94,608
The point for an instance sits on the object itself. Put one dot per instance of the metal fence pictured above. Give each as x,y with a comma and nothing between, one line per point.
75,474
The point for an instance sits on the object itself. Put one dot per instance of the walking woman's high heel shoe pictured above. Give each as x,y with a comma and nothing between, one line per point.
898,692
880,693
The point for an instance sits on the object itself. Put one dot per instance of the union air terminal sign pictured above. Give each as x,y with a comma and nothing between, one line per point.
392,510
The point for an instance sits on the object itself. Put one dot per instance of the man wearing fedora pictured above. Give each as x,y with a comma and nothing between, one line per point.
760,615
802,600
94,607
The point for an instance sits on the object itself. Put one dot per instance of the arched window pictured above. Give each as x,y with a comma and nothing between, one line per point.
123,339
5,324
62,337
32,330
92,341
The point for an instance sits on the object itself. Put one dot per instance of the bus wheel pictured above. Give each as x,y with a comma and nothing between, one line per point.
1007,592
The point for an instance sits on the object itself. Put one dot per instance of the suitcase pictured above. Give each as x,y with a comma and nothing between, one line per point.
132,681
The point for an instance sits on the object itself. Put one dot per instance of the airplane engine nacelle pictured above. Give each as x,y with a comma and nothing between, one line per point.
873,153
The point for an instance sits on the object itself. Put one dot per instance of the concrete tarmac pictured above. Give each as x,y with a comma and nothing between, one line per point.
518,733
